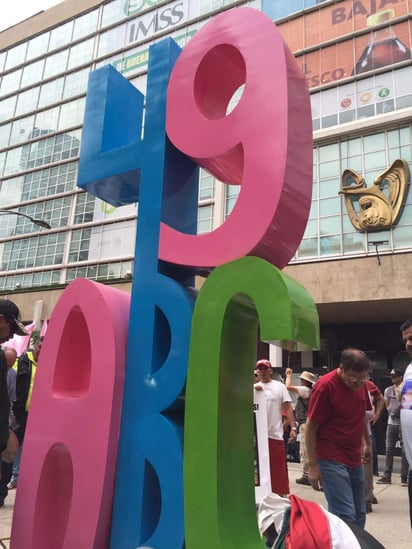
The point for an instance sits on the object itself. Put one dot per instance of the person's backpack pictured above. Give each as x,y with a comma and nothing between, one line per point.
301,409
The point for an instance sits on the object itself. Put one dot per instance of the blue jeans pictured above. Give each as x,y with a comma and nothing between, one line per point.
344,489
16,464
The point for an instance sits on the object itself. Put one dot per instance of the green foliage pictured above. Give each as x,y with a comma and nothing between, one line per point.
34,337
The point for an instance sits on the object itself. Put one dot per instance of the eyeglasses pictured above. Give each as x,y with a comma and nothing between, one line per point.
262,368
354,379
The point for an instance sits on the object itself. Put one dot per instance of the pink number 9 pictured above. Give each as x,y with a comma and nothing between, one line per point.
264,144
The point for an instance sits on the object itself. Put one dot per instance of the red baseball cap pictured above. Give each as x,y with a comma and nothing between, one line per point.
263,362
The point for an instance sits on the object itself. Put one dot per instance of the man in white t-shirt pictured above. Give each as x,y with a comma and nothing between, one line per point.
393,430
278,403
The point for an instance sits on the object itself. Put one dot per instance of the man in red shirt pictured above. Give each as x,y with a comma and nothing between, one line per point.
337,438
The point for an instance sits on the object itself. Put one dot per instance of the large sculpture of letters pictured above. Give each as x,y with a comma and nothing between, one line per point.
184,443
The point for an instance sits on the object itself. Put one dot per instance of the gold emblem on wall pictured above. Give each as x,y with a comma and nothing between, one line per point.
380,204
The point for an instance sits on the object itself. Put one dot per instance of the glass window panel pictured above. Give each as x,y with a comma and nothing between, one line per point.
85,24
329,152
10,82
404,102
330,245
406,215
2,59
76,83
111,40
38,45
353,243
206,186
405,135
347,226
103,271
32,73
366,112
385,106
372,174
311,229
115,270
354,163
347,116
51,92
329,121
15,161
313,213
374,160
329,187
329,225
375,142
308,248
329,169
351,148
329,206
71,114
393,138
2,160
27,101
230,204
112,12
405,153
60,36
16,56
316,124
56,64
205,219
81,53
4,135
402,237
47,120
10,191
85,206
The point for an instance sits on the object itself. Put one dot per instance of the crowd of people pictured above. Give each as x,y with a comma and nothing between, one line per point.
334,416
17,374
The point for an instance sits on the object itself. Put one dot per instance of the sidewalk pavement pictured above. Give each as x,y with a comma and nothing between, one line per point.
6,517
388,522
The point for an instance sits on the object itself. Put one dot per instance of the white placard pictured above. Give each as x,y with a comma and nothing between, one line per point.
262,469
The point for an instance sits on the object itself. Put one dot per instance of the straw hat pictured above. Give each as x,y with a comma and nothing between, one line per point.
308,376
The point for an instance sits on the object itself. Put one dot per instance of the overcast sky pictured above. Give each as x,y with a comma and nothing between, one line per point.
13,11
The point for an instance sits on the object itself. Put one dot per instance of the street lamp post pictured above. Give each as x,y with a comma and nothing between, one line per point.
35,221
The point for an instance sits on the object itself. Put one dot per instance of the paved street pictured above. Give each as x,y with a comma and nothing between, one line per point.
389,521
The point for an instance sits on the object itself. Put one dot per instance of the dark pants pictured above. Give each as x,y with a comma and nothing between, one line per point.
6,471
21,419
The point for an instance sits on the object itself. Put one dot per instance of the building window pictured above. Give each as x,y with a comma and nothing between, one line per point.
10,82
32,73
205,219
38,251
85,24
38,46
